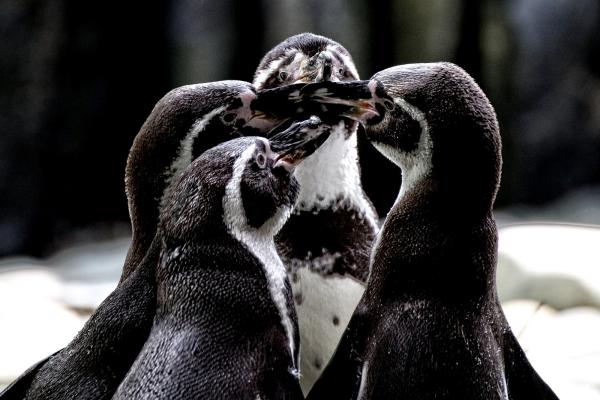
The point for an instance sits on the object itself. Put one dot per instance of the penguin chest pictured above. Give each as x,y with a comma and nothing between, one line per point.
324,305
333,223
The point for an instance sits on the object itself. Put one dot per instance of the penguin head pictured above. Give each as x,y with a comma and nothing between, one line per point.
305,58
442,127
242,185
183,124
433,121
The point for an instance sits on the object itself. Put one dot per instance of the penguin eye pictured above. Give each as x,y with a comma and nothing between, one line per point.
342,72
283,75
261,160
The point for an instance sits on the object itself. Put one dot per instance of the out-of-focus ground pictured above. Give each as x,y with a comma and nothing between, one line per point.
548,281
549,284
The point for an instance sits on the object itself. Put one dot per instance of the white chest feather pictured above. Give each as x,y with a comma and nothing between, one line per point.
324,306
332,173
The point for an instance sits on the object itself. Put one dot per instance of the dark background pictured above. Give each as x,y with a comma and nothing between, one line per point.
78,78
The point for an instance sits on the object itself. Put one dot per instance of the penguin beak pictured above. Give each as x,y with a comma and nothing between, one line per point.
318,68
299,141
357,100
277,102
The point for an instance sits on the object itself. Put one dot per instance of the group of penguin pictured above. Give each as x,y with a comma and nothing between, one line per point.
258,269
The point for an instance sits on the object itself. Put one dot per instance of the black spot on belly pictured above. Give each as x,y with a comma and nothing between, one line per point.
336,320
318,364
350,127
298,298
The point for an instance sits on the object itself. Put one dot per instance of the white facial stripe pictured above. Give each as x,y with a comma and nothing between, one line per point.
413,111
259,241
184,153
273,66
232,201
347,61
416,164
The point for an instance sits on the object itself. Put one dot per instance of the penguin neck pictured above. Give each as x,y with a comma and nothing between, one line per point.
260,243
335,164
425,247
463,193
431,227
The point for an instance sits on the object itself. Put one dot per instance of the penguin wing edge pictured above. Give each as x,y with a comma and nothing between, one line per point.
18,388
523,380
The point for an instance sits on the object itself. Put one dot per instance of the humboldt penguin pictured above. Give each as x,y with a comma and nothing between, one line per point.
183,124
430,325
225,324
327,241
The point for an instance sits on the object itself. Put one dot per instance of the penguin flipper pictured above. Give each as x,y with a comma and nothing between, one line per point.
346,364
344,367
18,388
522,379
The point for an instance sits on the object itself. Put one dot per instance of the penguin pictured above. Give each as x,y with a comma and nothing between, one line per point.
184,123
225,325
430,325
326,243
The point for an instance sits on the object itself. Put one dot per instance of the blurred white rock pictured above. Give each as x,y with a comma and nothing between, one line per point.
34,322
89,272
556,267
91,262
43,304
578,206
557,264
563,346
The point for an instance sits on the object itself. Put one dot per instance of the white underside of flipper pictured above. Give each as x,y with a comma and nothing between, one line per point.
327,303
